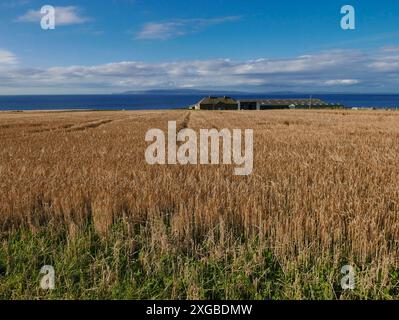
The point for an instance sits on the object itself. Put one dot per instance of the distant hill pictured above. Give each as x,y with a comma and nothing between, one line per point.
181,92
201,92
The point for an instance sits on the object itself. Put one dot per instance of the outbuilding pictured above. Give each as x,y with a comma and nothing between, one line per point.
217,103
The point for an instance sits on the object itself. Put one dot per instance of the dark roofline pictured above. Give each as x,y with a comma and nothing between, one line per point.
274,100
218,100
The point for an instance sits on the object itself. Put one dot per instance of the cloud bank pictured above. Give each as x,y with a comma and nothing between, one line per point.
335,70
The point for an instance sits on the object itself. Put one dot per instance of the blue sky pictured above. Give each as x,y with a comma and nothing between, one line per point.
248,45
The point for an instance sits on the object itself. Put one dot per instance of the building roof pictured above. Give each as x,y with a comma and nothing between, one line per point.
218,100
286,102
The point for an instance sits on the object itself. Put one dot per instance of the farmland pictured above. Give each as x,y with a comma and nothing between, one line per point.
77,194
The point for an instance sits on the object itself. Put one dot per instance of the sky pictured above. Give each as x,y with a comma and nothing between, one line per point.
261,46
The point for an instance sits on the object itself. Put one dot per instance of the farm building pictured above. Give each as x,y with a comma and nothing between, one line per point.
227,103
217,103
264,104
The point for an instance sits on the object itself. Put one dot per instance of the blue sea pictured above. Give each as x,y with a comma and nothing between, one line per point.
171,101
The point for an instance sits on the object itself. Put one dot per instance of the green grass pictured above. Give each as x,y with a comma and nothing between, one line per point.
126,265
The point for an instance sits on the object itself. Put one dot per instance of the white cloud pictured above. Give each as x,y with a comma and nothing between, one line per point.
332,70
63,16
7,57
337,82
391,49
177,28
387,60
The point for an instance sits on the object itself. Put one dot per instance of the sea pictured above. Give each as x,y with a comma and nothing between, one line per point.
174,101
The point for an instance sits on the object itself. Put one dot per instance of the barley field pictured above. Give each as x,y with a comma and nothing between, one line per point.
77,194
